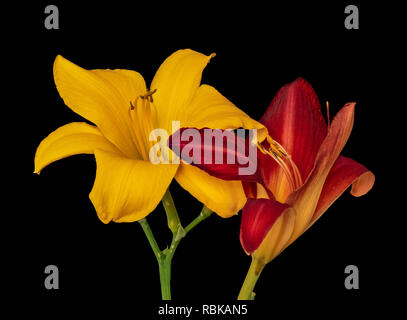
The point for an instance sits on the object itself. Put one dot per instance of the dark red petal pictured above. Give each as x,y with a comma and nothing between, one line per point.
258,217
345,172
294,120
305,199
226,161
250,189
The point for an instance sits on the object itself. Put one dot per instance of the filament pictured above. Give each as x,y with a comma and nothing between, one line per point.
144,117
284,160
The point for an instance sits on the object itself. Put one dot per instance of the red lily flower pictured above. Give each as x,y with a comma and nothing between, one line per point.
296,184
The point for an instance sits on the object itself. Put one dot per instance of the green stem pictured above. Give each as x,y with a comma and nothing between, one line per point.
165,278
205,213
253,274
165,264
165,256
151,239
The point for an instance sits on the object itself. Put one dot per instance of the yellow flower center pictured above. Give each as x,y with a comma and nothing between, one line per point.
143,114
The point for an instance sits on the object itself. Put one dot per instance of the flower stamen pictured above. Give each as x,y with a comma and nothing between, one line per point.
278,153
144,119
327,114
149,95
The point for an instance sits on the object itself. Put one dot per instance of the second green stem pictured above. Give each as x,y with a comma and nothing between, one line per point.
253,274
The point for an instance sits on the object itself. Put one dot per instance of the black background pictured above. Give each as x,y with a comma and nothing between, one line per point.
259,49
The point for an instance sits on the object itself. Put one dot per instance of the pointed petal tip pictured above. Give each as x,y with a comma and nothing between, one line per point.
350,105
305,86
301,81
37,166
101,214
68,140
58,60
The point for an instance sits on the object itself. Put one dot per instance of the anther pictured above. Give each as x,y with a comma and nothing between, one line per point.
275,154
327,114
149,95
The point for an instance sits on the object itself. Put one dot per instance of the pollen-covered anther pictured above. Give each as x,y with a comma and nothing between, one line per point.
276,148
270,145
149,95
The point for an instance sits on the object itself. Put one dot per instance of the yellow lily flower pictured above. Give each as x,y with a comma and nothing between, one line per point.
128,186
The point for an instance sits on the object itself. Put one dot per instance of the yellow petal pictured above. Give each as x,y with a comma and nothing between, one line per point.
225,198
277,238
211,109
176,82
127,190
73,138
103,97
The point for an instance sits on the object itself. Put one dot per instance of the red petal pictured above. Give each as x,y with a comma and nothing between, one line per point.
305,199
258,217
294,120
345,172
192,147
250,189
256,190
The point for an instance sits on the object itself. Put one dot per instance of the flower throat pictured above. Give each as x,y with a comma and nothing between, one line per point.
143,114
